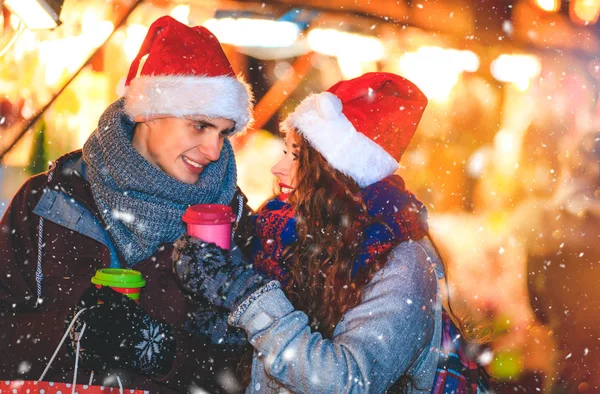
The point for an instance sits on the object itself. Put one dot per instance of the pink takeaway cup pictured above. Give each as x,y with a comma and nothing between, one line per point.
210,223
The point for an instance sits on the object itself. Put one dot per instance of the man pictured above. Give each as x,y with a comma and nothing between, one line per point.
118,203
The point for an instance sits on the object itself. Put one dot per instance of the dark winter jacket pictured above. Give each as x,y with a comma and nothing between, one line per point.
74,245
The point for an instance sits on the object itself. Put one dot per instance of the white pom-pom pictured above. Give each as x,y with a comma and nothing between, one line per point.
121,88
329,106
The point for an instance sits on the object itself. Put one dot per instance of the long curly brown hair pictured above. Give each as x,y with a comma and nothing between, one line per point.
328,206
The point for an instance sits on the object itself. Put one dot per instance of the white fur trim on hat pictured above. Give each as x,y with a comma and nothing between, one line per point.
180,95
319,118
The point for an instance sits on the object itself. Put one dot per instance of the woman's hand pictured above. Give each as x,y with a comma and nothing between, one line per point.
223,277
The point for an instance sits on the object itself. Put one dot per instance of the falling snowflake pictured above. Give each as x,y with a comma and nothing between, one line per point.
125,217
486,357
289,354
25,366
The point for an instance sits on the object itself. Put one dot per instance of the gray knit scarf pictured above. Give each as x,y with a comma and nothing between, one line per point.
140,204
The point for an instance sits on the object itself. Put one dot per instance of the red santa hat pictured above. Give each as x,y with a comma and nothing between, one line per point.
361,126
185,72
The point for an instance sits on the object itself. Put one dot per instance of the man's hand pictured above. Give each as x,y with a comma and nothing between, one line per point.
120,334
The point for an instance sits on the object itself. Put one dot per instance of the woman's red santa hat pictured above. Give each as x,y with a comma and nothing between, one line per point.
361,126
185,73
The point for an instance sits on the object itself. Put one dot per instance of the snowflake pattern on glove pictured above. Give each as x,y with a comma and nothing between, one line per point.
150,343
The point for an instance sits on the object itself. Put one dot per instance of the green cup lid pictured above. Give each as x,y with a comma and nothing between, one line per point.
118,277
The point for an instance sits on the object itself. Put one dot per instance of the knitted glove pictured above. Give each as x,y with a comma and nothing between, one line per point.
120,334
222,277
88,299
212,325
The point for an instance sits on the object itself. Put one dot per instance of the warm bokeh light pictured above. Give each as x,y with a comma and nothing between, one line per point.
14,21
477,162
585,12
25,44
507,149
518,69
436,70
133,42
33,14
94,29
181,13
245,32
548,5
67,54
352,66
356,54
332,42
259,152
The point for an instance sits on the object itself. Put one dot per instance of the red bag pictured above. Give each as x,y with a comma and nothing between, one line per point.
30,387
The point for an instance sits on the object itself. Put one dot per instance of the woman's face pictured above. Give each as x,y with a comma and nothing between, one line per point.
286,169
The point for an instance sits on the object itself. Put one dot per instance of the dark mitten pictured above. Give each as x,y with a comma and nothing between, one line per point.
212,325
222,277
120,334
88,299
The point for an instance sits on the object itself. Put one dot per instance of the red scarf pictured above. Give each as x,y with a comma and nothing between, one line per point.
398,215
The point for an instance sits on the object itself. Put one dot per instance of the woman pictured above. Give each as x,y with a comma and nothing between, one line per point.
355,304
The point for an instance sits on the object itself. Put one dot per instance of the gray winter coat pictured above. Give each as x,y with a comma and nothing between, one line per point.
395,330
